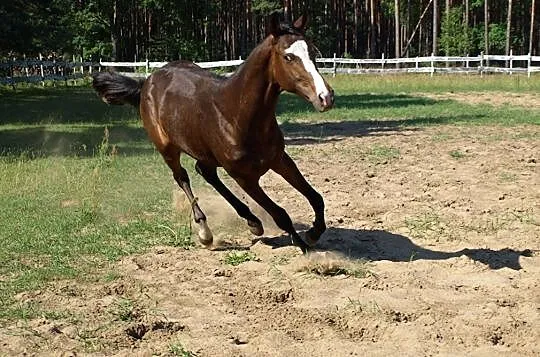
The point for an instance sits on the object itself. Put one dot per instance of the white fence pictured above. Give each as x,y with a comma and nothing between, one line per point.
432,64
43,70
39,71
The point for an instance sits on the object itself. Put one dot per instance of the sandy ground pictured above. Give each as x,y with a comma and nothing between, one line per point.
445,221
527,100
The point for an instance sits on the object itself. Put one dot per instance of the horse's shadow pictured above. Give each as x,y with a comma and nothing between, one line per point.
377,245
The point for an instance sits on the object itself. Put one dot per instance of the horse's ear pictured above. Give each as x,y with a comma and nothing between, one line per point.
301,23
273,24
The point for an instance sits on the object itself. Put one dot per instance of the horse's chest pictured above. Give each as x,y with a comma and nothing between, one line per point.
252,159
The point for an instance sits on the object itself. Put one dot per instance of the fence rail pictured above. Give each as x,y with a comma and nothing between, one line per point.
38,70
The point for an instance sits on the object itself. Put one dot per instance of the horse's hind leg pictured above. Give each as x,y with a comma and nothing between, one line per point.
209,173
288,170
172,158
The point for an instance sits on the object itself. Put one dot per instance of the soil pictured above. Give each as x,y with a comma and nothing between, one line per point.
438,229
527,100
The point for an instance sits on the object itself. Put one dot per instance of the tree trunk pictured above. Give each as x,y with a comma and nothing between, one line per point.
397,30
466,28
114,35
508,27
446,18
486,29
531,35
373,51
435,26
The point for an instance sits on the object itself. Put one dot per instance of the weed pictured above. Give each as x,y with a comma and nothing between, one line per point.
331,265
235,258
358,306
427,225
176,349
112,276
123,310
507,177
456,154
380,153
179,238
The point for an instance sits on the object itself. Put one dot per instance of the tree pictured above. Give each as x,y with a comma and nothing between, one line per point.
397,29
531,35
454,38
508,27
435,26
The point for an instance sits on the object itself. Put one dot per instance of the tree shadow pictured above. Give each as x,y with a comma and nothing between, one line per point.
303,133
290,103
44,141
378,245
64,105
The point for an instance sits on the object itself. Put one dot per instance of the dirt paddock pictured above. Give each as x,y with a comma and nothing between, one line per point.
443,222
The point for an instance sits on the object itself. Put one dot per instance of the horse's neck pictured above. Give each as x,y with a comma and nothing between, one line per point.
251,89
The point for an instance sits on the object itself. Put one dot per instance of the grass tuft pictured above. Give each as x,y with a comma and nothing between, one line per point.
176,349
235,258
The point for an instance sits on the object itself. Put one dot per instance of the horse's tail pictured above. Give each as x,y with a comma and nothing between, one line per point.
116,89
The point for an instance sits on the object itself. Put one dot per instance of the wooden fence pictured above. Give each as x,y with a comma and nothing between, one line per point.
432,64
39,70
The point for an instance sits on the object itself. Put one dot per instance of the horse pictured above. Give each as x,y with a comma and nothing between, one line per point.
231,123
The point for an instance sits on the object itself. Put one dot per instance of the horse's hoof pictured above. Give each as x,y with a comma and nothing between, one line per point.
311,238
205,234
256,228
299,242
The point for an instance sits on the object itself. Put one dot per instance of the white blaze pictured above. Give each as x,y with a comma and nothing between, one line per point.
300,49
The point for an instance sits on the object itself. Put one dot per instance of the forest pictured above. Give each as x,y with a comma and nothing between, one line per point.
127,30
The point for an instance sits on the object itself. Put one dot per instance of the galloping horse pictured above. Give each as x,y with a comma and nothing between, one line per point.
231,122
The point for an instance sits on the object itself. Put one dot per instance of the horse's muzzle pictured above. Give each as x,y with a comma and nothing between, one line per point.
326,100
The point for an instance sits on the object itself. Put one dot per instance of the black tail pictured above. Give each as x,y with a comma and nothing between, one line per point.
116,89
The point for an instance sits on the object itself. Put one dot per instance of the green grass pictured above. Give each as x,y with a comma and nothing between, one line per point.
235,258
374,103
456,154
81,186
177,349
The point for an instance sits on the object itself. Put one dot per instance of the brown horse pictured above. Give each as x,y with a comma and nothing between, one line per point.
231,122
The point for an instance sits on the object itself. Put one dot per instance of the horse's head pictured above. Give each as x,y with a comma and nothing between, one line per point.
293,64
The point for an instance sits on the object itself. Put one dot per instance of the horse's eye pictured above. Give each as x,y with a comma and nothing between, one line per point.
288,58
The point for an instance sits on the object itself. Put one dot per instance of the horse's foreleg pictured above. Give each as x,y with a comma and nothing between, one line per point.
172,158
209,173
288,170
280,216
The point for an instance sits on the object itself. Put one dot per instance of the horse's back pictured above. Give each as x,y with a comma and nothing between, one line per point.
176,106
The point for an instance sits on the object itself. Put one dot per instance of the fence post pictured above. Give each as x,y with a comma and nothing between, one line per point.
147,67
334,67
432,63
529,60
511,61
12,72
99,67
74,67
25,65
382,63
481,67
41,70
416,63
467,63
82,67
